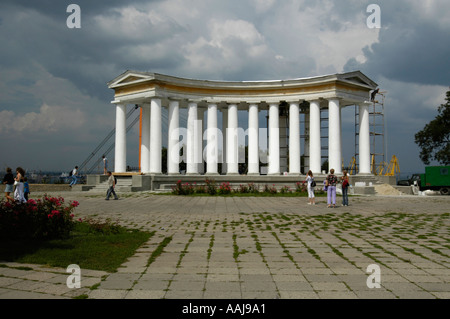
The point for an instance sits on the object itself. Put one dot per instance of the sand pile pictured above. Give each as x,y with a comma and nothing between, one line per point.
386,189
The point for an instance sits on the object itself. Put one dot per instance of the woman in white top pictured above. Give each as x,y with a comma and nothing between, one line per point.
309,180
18,182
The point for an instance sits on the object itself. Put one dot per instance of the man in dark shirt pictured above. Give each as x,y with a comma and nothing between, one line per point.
8,180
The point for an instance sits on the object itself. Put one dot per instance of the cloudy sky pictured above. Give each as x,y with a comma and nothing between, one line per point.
55,105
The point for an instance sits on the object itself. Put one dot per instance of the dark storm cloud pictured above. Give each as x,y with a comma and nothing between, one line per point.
54,8
89,56
416,56
412,46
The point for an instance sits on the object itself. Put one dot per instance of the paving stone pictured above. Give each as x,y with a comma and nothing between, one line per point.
108,294
298,295
187,285
262,268
222,286
145,294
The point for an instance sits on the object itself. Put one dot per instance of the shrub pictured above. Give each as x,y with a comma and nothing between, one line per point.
199,189
224,188
46,218
300,187
211,188
183,189
285,190
243,189
270,190
252,188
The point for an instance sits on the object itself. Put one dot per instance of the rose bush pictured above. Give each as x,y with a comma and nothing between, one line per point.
45,218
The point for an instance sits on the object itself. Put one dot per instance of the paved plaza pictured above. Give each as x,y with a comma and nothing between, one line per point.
260,248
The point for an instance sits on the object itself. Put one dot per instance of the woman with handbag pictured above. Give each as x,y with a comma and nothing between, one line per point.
331,188
310,187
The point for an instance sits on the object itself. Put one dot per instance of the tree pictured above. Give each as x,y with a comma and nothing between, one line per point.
434,139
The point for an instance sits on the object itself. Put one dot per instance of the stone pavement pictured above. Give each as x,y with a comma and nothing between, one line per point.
260,247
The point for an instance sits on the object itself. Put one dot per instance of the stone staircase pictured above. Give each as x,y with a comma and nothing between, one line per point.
123,185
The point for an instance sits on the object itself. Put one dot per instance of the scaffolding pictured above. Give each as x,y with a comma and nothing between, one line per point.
377,134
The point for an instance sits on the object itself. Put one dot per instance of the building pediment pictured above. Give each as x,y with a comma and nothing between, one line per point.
129,78
358,78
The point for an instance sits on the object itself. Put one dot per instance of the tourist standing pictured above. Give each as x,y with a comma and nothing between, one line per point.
8,180
111,186
74,176
345,185
18,182
105,165
310,187
331,188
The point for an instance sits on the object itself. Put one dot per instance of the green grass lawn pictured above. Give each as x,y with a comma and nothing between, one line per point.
87,247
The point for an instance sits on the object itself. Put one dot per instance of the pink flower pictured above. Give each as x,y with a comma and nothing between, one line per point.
75,203
32,202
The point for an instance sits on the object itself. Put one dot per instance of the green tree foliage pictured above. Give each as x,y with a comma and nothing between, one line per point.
434,139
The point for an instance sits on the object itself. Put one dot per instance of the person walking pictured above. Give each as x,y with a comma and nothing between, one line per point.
111,186
331,188
310,187
8,180
74,176
345,185
18,182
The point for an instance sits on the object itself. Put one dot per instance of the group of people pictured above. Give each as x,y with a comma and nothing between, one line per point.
18,185
330,186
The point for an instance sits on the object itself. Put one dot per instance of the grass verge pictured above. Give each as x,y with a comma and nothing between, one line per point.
87,247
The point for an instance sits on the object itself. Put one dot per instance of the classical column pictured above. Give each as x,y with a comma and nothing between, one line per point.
192,145
283,124
253,140
294,139
173,151
364,139
224,139
212,146
121,139
306,145
274,140
145,142
315,153
199,135
155,136
232,141
334,136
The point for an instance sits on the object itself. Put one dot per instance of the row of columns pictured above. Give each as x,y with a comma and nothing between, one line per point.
151,147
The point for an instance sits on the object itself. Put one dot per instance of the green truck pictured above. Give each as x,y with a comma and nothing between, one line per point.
436,178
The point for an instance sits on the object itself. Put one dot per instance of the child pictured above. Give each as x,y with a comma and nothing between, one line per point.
26,188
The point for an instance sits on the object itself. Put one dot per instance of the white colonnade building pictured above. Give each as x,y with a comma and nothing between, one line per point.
283,100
